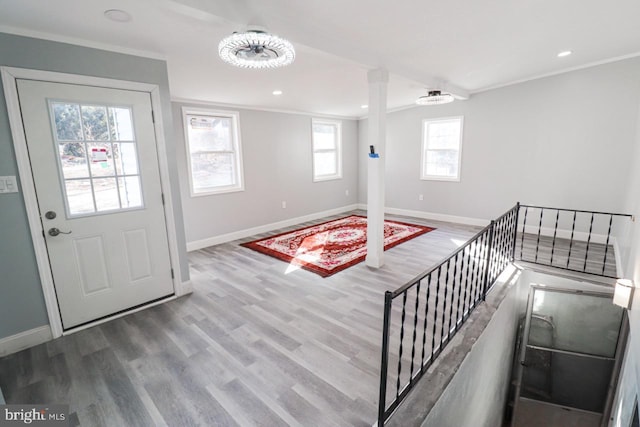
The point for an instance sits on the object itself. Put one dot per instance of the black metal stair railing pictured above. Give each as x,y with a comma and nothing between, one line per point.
570,239
434,306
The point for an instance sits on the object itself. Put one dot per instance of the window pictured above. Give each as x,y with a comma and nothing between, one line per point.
213,151
97,157
441,149
327,149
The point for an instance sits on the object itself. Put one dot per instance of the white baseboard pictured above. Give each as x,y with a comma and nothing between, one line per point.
433,216
616,251
25,339
581,236
241,234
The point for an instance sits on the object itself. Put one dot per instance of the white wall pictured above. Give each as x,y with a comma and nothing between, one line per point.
477,394
562,141
277,158
630,378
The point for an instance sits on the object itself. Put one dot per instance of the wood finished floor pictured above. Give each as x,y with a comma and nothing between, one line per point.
256,344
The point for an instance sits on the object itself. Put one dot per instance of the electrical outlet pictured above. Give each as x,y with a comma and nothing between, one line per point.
284,205
421,197
346,192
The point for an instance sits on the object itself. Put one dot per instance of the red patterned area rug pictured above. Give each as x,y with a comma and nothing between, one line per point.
332,246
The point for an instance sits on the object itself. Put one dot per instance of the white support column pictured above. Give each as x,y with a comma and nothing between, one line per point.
377,134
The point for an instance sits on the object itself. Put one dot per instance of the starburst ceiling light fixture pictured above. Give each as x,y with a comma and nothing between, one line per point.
435,97
255,48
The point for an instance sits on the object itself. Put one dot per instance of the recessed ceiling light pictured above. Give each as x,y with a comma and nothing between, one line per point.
277,92
564,53
364,106
117,15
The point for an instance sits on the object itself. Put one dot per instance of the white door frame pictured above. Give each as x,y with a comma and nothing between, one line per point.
9,77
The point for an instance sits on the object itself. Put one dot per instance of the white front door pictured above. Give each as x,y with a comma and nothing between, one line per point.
95,168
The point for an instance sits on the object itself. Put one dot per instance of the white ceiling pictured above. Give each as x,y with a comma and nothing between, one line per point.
463,46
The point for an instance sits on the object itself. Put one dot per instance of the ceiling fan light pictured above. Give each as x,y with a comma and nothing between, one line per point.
435,97
256,49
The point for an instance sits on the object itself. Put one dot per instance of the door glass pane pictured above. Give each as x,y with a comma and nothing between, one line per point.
565,379
67,121
130,192
94,123
126,158
73,159
100,159
121,124
579,323
83,134
106,194
79,196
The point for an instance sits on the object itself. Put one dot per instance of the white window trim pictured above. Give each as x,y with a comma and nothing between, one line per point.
235,119
338,150
423,175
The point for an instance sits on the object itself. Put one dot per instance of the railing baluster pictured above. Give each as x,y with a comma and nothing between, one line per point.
460,306
515,230
453,291
539,230
384,363
404,312
466,282
435,314
476,271
573,228
606,245
555,232
444,301
426,316
488,258
415,330
524,230
586,254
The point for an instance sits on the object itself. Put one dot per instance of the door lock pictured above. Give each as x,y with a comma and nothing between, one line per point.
55,231
50,215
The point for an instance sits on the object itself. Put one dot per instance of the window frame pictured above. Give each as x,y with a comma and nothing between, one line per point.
425,147
236,143
337,150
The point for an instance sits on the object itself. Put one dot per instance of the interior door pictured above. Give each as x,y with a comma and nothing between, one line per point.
95,168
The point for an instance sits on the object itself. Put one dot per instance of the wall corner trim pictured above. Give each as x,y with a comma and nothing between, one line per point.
26,339
186,288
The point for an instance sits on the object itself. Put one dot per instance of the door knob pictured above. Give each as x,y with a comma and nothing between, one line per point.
55,231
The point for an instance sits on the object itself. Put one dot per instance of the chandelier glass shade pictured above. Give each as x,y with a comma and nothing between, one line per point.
256,49
435,97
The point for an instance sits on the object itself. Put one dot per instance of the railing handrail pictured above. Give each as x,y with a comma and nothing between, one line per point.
575,210
444,260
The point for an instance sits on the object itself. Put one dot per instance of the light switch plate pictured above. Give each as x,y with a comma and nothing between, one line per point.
8,184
